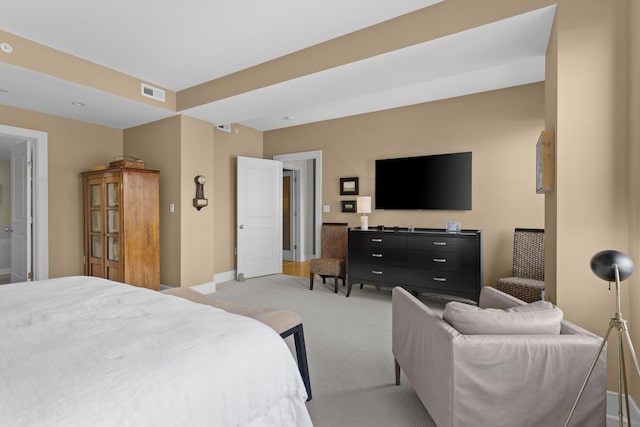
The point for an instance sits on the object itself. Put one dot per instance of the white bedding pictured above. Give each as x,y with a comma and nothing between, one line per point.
81,351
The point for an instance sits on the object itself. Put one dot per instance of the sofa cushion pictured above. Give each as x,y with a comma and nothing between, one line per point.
536,318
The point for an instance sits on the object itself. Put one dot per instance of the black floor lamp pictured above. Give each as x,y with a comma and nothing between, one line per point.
613,266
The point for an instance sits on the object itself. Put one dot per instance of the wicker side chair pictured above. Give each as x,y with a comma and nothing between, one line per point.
527,282
333,254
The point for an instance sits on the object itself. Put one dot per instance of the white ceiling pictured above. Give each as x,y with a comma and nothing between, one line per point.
180,44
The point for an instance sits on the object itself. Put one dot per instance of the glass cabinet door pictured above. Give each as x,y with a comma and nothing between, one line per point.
95,195
113,194
96,222
113,221
113,248
96,246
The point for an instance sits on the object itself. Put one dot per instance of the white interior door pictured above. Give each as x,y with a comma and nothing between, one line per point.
21,212
259,217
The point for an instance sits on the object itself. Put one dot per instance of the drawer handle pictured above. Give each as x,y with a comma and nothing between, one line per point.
377,240
439,260
376,272
440,243
376,255
440,279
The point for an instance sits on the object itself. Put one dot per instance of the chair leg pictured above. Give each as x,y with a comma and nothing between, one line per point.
397,372
324,279
301,355
310,281
335,283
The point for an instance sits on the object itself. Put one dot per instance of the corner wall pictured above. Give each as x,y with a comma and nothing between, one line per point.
158,144
589,82
197,234
180,148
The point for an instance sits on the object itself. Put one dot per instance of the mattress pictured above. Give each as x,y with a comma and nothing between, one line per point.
83,351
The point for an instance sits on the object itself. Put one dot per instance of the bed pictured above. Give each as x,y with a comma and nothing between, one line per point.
84,351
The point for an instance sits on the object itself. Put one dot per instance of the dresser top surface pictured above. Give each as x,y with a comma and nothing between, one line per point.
424,231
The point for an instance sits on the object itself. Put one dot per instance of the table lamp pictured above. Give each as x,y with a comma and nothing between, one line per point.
613,266
364,207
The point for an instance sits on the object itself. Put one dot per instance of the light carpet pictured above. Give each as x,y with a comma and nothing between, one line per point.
348,348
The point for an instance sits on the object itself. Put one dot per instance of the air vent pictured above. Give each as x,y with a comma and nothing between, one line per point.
152,92
226,128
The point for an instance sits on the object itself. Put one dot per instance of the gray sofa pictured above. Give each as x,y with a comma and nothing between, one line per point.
497,380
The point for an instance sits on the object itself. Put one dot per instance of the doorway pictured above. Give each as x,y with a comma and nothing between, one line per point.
308,166
24,193
290,218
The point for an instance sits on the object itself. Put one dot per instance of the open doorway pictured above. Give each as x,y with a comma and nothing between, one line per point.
24,229
308,206
290,217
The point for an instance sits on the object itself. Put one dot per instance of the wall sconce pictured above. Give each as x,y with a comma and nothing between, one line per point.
200,202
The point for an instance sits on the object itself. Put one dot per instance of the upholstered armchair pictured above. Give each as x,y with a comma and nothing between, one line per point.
527,278
498,380
333,254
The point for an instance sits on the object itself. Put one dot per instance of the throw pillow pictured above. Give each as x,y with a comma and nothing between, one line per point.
536,318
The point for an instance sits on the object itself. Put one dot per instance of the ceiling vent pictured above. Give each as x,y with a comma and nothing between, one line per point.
152,92
226,128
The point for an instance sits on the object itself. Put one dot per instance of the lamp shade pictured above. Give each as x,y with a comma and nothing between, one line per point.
602,265
364,204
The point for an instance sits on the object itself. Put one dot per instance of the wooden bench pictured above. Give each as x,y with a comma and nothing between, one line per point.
283,322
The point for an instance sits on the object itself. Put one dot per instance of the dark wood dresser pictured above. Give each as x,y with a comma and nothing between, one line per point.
423,260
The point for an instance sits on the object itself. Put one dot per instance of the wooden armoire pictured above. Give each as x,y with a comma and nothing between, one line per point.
121,217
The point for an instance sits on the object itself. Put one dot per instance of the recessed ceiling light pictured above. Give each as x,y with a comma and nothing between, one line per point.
6,47
77,104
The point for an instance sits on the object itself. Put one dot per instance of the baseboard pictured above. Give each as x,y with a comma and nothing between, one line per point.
612,409
224,277
205,288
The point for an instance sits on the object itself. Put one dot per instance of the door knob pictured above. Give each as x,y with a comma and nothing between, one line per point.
8,229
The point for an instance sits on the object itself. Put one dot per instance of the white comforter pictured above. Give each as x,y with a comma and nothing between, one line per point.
80,351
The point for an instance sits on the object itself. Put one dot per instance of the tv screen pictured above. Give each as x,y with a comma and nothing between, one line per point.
440,181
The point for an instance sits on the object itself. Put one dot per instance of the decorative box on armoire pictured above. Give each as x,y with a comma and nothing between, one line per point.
122,219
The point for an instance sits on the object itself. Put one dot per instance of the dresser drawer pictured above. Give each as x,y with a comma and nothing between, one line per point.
443,260
363,240
441,280
377,273
443,243
379,256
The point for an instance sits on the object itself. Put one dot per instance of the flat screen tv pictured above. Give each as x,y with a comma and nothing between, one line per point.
441,181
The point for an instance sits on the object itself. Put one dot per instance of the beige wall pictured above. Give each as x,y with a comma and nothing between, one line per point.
501,128
633,315
180,148
241,141
158,144
197,234
589,81
73,147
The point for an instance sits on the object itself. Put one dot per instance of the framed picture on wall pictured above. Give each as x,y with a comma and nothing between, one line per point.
349,186
348,205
